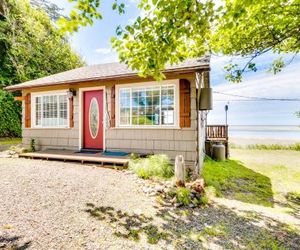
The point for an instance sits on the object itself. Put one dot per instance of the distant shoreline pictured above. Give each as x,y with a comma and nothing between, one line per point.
267,141
264,127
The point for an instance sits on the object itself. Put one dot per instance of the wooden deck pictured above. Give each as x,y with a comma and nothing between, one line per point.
68,155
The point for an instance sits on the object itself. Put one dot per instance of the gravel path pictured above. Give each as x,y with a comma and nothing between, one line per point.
43,205
56,205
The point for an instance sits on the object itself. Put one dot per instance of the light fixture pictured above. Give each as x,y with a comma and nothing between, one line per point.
71,93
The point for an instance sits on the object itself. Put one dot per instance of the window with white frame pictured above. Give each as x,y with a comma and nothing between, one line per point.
147,106
51,110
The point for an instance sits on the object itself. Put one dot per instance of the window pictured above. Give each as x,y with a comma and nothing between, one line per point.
147,106
51,110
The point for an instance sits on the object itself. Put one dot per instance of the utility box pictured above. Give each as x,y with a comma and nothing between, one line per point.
218,152
206,102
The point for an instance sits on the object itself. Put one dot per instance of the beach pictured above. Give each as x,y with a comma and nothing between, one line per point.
267,134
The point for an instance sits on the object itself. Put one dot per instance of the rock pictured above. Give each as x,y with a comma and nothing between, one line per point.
138,211
159,188
5,155
198,196
198,186
152,193
192,205
178,204
169,184
174,200
145,189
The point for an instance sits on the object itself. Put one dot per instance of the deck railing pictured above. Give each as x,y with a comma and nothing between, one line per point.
217,132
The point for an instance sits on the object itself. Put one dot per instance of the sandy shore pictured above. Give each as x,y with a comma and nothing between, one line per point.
268,141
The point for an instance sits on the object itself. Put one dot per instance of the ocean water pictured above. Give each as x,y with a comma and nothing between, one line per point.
268,131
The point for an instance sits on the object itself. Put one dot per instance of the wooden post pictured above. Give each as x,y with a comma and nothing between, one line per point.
180,171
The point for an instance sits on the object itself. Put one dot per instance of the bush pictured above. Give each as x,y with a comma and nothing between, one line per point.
183,196
32,145
152,166
10,116
209,194
294,197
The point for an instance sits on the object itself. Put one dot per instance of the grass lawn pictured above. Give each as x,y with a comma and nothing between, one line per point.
282,167
255,176
8,141
263,188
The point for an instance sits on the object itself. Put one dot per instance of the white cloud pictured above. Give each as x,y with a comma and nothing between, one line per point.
243,111
283,85
108,59
104,51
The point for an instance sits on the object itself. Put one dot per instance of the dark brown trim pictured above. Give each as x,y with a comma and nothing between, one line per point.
28,110
113,107
71,112
185,103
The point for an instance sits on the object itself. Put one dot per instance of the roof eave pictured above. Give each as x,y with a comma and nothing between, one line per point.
113,77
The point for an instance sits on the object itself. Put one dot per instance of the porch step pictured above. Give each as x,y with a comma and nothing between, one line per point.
81,158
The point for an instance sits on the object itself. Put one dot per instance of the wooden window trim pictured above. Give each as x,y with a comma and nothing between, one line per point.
185,103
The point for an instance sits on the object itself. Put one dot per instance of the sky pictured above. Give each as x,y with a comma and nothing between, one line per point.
93,44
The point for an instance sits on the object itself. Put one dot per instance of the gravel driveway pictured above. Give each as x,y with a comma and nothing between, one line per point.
56,205
43,205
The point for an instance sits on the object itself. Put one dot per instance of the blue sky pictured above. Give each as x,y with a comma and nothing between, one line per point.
93,44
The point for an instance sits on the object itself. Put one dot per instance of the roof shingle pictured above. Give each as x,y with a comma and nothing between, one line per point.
103,71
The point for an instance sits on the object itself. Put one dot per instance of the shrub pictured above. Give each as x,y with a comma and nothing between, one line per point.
32,145
209,194
10,116
295,147
153,166
183,196
294,197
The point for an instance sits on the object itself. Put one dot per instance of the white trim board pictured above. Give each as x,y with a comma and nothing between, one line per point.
174,82
33,109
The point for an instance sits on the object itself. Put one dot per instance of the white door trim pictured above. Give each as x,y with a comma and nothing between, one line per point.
80,113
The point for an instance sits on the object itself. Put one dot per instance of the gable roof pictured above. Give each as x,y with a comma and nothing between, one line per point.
108,71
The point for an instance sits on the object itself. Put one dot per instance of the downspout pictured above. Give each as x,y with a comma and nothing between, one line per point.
199,80
203,105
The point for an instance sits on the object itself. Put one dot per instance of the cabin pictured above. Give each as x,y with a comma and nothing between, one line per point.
110,108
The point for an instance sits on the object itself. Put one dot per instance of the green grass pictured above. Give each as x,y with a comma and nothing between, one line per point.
293,197
152,166
7,141
281,167
183,195
295,146
233,180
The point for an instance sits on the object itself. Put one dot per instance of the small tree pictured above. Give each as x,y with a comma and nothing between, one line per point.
171,31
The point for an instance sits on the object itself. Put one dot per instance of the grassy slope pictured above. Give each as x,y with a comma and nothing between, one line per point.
282,167
235,181
6,141
255,176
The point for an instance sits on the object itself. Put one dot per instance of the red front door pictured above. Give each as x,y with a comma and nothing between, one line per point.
93,119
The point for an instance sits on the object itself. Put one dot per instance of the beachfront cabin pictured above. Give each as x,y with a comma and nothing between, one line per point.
108,107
